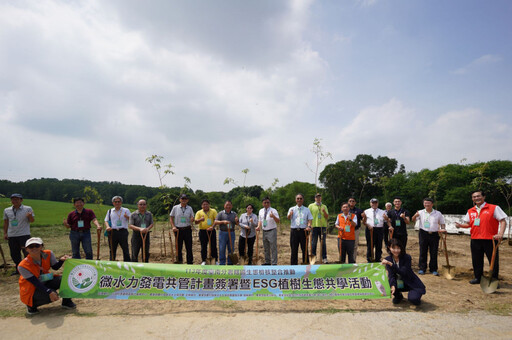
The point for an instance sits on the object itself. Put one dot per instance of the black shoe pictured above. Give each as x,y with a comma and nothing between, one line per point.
32,310
475,281
266,264
68,304
397,299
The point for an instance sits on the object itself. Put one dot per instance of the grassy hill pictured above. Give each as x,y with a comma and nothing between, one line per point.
49,213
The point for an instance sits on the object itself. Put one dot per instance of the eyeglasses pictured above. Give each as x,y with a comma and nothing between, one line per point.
32,246
299,198
142,203
117,201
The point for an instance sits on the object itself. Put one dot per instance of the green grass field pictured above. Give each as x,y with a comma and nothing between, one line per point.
49,213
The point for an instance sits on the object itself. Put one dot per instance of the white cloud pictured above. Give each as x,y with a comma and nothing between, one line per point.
478,62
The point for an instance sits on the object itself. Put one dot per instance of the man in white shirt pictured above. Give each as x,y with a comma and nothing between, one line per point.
431,223
301,218
181,219
374,219
116,222
267,220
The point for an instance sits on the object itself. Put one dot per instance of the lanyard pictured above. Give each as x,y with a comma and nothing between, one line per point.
397,213
346,218
141,217
478,209
14,211
183,210
206,214
79,215
118,215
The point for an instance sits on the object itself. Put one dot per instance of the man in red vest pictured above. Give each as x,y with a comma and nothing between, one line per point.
487,223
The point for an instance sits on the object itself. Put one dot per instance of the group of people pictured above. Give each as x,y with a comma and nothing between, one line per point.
37,286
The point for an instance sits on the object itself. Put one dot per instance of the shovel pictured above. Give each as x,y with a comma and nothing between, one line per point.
111,248
321,244
143,236
306,257
177,261
98,231
340,242
312,258
448,271
3,257
372,255
209,259
390,235
257,247
244,256
490,285
232,256
171,248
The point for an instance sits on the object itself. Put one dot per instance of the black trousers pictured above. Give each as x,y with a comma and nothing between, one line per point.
297,236
137,246
347,249
41,298
203,239
185,236
402,238
429,244
120,238
17,247
378,235
250,246
478,249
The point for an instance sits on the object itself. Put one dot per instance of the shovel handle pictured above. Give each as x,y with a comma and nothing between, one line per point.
443,239
494,250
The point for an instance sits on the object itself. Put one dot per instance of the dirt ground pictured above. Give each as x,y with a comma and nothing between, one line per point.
453,307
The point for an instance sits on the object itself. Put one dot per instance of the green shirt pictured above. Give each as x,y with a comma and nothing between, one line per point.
318,218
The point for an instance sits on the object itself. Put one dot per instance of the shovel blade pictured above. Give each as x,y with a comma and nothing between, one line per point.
488,286
449,272
312,259
234,258
210,260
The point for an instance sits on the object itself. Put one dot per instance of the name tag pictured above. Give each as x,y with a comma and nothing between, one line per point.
14,223
46,277
375,221
143,225
319,216
264,223
119,223
183,219
80,224
477,222
209,221
400,284
347,229
397,223
426,225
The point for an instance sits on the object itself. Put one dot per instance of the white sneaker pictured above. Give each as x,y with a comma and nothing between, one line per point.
325,261
204,263
217,263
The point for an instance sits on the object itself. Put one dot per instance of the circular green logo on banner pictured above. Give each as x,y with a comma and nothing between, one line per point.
82,278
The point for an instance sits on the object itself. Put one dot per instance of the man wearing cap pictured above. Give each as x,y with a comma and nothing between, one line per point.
182,217
141,222
267,220
359,214
37,285
374,219
487,222
79,221
116,222
301,219
207,234
320,216
17,219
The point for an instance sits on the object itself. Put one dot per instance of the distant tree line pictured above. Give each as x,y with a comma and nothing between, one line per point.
363,178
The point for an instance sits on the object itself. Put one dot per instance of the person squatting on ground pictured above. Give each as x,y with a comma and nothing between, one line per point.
487,223
17,219
79,223
116,222
431,223
37,285
400,275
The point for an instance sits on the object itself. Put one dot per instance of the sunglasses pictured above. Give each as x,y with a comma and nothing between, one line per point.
32,246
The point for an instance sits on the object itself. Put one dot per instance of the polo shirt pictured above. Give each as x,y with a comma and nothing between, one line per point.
87,216
18,216
182,215
224,216
210,215
318,217
136,220
398,223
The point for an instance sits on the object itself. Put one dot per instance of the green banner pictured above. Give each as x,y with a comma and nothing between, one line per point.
132,280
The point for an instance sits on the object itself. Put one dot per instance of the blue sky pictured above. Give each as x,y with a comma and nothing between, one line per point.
89,89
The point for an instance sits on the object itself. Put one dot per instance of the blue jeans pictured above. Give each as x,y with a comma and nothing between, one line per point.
223,242
85,237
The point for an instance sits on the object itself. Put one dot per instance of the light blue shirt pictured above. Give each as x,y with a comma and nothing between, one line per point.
301,216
